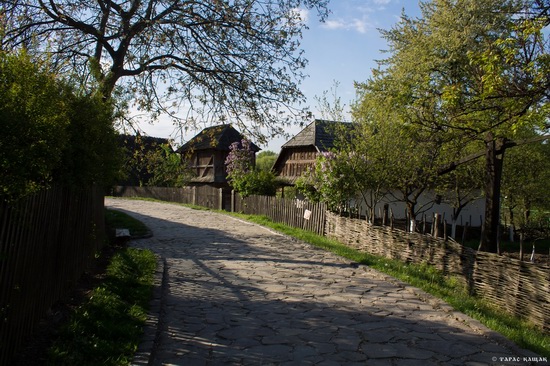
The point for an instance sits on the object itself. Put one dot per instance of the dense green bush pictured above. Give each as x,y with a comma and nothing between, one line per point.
34,121
51,132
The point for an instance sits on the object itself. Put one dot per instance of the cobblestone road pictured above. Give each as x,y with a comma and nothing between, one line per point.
236,293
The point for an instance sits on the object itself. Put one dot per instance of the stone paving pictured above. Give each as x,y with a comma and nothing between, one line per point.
236,293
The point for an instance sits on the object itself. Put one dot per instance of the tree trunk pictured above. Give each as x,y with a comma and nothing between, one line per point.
511,232
521,241
493,174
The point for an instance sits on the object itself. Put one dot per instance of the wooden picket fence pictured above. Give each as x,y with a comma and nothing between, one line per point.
295,213
205,196
46,242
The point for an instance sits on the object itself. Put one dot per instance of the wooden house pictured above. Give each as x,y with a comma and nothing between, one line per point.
299,153
205,154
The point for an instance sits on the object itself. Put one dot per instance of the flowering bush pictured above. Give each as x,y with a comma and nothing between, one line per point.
240,159
330,181
241,174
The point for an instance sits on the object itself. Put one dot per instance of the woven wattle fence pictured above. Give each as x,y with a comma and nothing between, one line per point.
521,288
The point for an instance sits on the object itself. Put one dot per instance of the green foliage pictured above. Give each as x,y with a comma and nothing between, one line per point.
469,66
167,168
34,119
52,134
330,181
92,155
150,161
107,329
462,73
525,187
255,182
241,175
265,160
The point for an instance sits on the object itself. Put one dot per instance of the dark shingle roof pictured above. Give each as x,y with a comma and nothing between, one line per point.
319,133
216,137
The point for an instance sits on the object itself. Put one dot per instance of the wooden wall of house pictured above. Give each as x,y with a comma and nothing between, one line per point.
297,160
219,166
209,165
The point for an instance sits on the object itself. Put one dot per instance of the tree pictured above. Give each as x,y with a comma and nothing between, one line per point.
333,180
151,161
463,185
238,60
402,160
167,168
474,69
265,160
525,187
92,154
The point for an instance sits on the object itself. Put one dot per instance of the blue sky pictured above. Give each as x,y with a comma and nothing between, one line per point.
343,49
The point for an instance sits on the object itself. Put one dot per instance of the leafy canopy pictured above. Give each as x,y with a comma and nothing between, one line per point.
237,60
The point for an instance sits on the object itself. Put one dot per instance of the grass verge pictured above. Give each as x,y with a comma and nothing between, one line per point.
429,279
120,220
107,328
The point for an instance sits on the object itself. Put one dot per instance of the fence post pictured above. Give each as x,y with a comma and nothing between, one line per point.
437,218
464,229
220,197
232,200
424,224
194,196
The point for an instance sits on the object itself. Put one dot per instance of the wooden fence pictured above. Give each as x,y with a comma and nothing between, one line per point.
46,242
205,196
296,213
521,288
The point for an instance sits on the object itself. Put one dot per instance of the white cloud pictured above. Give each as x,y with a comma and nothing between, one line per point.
360,25
355,24
355,15
334,24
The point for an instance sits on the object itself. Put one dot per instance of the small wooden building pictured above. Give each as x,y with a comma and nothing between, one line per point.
299,153
205,154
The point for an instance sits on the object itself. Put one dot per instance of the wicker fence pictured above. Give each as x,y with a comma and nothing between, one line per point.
46,242
522,288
